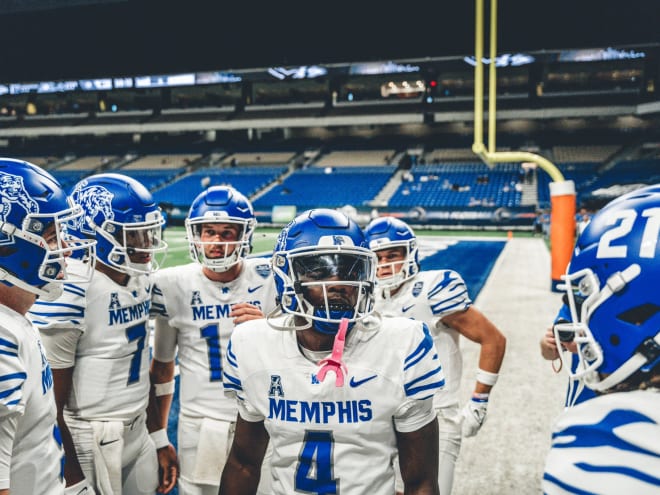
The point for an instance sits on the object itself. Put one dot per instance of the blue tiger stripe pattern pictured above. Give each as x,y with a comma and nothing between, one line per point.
452,286
607,445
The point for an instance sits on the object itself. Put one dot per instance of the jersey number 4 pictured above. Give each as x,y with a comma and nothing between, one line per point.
314,470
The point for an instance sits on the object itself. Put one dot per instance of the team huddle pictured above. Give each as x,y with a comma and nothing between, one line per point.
331,368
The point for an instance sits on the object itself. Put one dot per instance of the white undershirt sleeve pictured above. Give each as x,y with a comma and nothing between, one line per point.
413,415
248,413
60,344
164,341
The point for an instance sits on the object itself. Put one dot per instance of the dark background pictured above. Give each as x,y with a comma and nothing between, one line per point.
41,39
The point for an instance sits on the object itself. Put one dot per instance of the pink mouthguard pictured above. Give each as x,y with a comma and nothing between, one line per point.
334,363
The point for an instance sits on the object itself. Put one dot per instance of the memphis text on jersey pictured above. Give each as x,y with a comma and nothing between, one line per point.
319,412
127,314
216,311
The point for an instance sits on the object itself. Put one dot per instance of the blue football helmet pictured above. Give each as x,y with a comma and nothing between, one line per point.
222,205
318,252
120,213
611,290
34,242
388,233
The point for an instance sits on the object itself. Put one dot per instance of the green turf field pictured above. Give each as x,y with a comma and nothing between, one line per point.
264,240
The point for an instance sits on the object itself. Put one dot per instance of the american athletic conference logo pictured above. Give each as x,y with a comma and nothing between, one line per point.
12,191
96,201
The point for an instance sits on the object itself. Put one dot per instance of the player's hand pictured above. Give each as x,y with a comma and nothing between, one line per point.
241,312
474,415
81,488
549,348
168,468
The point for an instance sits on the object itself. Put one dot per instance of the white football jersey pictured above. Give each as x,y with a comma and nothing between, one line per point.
428,297
325,437
607,445
111,372
30,443
197,311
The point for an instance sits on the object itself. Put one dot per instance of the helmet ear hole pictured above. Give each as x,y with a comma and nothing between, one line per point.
7,251
639,314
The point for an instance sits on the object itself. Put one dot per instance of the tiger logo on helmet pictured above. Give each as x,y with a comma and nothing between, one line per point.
34,213
121,214
95,200
12,190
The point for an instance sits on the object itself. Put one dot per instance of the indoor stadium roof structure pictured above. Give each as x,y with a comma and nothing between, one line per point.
94,38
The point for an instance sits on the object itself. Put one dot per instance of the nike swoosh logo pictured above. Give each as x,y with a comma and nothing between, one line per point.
252,289
356,383
102,442
403,310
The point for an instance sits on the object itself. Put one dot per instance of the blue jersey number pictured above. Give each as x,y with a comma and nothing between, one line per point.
211,333
139,333
316,452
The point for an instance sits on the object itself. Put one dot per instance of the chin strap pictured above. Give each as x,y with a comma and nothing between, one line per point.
646,353
334,363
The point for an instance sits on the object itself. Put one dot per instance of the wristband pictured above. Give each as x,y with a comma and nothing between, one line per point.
486,377
166,388
159,437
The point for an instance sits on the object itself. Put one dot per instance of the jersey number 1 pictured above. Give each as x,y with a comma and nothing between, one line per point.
211,333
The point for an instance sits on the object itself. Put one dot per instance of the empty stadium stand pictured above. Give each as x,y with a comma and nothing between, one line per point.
405,180
459,185
327,187
248,180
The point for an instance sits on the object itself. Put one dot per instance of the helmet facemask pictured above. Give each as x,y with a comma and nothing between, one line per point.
325,285
50,230
584,296
230,248
400,270
581,292
135,248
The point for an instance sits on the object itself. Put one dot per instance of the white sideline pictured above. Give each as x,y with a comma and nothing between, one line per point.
508,454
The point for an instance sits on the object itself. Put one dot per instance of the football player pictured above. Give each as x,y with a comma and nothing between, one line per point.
440,299
610,444
34,212
197,307
338,391
96,335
